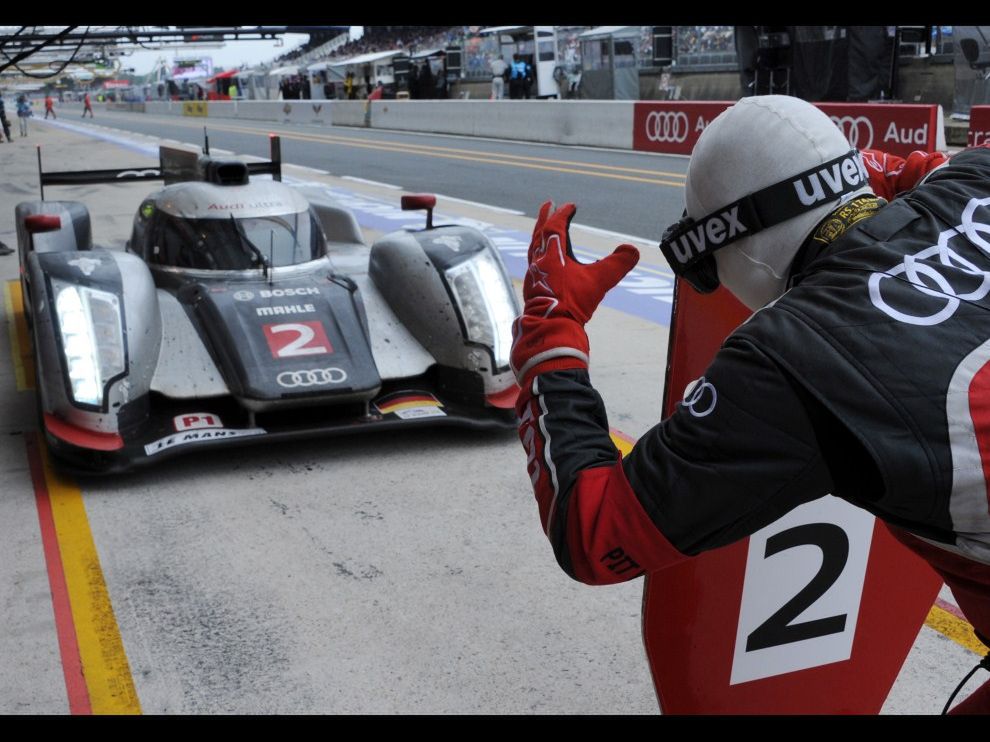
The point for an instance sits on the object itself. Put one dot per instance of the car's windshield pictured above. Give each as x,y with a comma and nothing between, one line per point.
236,244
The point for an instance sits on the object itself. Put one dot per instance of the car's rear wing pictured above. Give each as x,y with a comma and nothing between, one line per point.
174,166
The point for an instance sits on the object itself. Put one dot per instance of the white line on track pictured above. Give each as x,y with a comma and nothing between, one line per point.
499,209
614,235
371,182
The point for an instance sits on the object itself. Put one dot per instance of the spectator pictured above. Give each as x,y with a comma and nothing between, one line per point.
23,113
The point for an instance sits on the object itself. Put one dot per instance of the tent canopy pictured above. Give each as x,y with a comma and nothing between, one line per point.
223,75
601,32
364,58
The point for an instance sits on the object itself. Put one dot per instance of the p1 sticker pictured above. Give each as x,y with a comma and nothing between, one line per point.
410,405
196,421
294,339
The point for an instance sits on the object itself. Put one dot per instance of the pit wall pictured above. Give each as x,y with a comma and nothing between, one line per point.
670,127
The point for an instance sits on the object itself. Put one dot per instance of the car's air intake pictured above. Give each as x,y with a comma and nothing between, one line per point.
227,172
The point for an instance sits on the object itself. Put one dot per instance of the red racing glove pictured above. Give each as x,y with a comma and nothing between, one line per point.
560,295
891,175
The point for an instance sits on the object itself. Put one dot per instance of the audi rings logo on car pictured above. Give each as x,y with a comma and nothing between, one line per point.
700,398
857,129
243,295
311,377
667,126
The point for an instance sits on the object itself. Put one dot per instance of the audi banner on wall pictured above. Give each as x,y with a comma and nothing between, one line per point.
673,127
979,126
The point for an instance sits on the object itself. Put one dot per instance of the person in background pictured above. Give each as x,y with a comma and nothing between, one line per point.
50,107
23,113
87,106
425,81
4,122
499,68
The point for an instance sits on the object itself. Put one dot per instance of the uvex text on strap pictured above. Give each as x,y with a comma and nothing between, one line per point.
689,244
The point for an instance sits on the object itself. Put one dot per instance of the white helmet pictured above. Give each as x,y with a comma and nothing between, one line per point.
763,174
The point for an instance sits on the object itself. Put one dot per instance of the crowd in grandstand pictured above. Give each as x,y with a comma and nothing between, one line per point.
385,38
705,39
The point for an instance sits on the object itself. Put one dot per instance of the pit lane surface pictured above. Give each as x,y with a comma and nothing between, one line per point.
394,573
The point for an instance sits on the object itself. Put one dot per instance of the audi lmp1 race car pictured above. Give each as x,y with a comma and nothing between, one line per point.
243,310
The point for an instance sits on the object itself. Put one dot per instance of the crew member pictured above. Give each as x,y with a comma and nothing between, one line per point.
517,77
87,106
499,68
50,107
863,371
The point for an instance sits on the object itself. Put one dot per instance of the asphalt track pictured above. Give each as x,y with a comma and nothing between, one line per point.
394,573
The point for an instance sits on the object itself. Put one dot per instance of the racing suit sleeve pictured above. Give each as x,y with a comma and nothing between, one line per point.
721,467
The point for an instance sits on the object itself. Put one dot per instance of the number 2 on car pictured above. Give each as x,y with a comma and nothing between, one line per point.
802,590
292,339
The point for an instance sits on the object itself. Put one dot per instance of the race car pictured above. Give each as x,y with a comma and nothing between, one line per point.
245,310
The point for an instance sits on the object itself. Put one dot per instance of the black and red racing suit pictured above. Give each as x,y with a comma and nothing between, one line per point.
868,379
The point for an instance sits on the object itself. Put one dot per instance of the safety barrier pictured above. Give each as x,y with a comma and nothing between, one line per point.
674,127
670,127
281,111
591,123
979,126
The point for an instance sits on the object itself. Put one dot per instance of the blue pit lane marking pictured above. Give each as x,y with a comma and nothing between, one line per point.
647,293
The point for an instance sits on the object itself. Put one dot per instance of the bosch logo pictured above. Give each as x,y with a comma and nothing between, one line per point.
243,295
313,377
700,398
667,126
857,129
279,293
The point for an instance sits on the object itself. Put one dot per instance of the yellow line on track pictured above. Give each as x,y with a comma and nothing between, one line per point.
960,631
20,345
105,667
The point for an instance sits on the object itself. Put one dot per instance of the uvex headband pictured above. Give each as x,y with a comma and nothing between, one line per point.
689,244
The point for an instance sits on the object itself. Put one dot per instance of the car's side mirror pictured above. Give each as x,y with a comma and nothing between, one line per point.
420,201
38,223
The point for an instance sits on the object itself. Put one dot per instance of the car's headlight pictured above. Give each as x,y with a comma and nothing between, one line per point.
485,302
92,339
